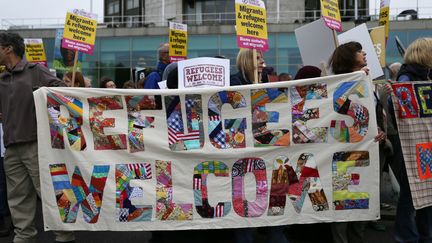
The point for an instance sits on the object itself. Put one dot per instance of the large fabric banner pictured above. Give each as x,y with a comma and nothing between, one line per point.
413,110
265,154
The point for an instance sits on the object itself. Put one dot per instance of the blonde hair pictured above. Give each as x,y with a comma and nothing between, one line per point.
420,52
245,64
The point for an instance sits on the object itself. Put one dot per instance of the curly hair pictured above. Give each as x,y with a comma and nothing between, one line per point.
15,41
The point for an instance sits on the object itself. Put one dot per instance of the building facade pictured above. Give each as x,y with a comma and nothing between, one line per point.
128,13
119,49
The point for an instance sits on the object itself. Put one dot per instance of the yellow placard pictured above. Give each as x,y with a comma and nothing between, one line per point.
35,52
251,21
80,28
384,19
378,38
178,41
330,13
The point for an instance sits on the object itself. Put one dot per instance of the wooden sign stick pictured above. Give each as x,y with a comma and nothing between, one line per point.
255,64
335,39
74,69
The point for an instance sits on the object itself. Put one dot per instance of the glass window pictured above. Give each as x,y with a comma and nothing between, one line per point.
114,52
113,7
115,56
130,4
144,50
209,11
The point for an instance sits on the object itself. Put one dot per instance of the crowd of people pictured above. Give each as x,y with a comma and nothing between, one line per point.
19,175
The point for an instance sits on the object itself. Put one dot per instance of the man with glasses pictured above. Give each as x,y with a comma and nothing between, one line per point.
21,166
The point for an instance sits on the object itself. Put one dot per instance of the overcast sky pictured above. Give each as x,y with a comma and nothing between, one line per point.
18,9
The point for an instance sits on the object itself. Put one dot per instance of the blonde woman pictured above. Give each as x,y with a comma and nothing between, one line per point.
245,66
412,225
245,75
418,61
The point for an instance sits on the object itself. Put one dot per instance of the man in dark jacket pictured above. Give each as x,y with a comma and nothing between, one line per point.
17,107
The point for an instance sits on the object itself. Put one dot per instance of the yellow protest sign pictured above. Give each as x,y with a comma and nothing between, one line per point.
34,51
80,31
331,15
251,24
378,39
177,41
384,16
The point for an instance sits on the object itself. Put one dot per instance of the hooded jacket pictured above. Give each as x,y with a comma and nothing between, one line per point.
414,72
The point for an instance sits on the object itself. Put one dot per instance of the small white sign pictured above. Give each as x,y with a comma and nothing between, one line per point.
315,42
204,72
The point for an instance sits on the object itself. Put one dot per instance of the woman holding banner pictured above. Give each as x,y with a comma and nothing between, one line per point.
245,76
412,225
350,57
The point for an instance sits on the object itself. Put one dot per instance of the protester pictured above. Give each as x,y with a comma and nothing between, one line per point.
413,225
244,76
129,85
245,66
171,76
285,77
308,72
107,82
268,74
79,79
20,135
65,61
140,84
394,70
155,77
87,82
350,57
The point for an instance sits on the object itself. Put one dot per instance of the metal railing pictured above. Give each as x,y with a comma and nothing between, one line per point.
280,17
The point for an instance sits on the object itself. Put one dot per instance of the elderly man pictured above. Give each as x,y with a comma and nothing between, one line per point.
17,107
155,77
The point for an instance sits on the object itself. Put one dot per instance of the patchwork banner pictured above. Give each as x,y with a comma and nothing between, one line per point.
413,109
246,156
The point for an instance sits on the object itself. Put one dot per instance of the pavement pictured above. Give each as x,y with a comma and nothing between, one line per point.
312,233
